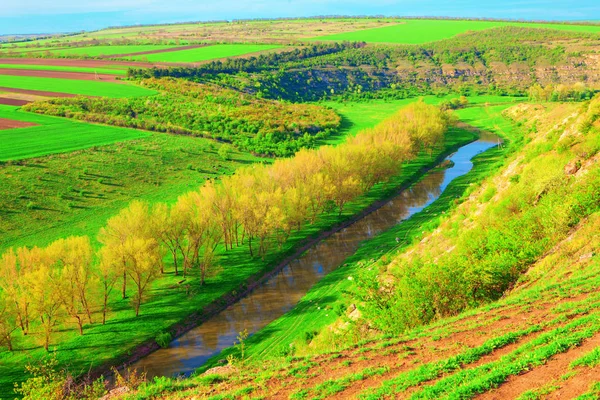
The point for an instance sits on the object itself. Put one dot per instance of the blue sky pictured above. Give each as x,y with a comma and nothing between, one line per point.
43,16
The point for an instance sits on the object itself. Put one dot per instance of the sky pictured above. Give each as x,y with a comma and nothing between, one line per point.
50,16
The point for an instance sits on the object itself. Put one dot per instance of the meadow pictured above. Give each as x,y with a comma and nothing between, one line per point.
424,31
72,86
205,53
55,135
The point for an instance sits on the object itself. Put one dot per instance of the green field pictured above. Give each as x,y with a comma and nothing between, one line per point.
205,53
55,135
424,31
71,86
95,51
61,68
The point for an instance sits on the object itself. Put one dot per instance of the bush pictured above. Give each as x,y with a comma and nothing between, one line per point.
164,339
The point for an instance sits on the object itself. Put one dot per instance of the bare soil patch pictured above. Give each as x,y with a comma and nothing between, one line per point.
12,124
37,92
69,62
13,102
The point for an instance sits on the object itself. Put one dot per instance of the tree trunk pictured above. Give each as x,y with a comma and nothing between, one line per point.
175,262
124,290
80,324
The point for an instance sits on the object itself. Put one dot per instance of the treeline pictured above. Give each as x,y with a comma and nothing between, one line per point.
264,127
400,71
250,64
576,92
258,207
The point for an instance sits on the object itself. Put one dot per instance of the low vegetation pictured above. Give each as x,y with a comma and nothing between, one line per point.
209,111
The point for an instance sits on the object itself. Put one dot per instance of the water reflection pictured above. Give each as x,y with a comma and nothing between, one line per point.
280,293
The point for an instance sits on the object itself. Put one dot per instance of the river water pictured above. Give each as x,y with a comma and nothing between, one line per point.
282,291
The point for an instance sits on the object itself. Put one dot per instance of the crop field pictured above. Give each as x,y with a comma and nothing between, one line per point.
95,51
424,31
233,32
204,53
70,86
108,71
55,135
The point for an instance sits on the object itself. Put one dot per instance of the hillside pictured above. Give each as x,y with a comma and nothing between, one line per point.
329,207
535,329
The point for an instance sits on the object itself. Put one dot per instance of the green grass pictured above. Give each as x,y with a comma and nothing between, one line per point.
94,51
357,116
55,135
424,31
61,68
71,86
205,53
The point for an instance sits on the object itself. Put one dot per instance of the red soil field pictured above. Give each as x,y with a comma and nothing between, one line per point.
13,102
11,124
74,63
36,92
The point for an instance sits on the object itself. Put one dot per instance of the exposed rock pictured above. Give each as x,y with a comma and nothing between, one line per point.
224,370
572,167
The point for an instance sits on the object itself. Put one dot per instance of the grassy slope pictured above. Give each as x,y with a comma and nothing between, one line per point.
60,68
542,338
71,86
205,53
55,135
423,31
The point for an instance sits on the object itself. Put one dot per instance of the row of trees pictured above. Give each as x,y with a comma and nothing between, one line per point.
561,92
258,207
267,61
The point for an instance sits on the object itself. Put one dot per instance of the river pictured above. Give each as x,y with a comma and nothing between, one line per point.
283,291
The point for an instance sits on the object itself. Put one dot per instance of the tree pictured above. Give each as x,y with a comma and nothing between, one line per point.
108,276
46,299
170,226
73,257
141,267
8,321
135,221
